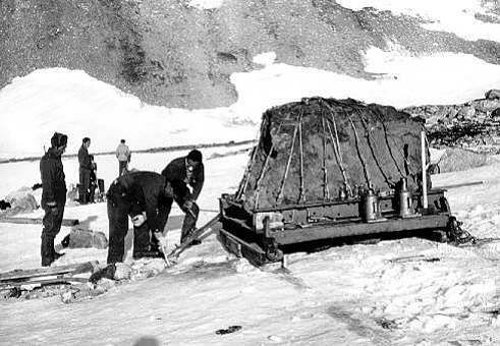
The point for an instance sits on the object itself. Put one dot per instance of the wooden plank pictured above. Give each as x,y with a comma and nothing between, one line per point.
333,230
77,268
30,220
211,226
43,282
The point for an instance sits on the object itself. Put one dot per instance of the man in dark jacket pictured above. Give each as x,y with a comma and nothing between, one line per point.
53,196
85,168
187,175
144,197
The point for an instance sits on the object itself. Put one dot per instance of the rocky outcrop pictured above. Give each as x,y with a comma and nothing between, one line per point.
474,125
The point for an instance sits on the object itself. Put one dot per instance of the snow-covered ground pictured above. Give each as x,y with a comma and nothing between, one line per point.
401,292
409,291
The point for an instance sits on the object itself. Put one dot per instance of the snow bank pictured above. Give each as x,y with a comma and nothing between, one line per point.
456,16
401,80
35,106
74,103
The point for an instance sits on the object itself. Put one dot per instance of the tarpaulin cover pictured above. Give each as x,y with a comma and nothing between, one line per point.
310,151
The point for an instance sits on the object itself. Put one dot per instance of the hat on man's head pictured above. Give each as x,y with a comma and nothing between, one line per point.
195,155
58,140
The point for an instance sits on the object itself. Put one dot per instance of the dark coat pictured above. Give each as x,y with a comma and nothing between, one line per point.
176,173
145,191
84,158
53,179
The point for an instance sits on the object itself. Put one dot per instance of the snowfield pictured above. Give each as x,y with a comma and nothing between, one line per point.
72,102
408,291
455,16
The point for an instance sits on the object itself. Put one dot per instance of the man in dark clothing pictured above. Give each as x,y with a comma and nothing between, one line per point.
144,197
187,175
53,196
92,180
84,170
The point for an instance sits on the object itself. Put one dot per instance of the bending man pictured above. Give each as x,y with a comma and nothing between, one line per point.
144,196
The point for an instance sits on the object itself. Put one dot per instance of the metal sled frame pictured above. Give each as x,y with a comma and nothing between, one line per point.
260,235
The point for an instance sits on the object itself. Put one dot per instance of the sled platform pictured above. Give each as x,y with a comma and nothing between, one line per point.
262,236
327,169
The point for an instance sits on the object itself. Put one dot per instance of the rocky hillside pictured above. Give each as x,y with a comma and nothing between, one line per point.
170,53
474,125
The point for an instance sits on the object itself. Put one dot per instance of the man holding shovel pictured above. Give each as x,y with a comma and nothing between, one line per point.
187,175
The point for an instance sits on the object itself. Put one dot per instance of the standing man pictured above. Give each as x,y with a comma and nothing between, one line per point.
92,180
123,156
144,197
84,170
186,175
53,196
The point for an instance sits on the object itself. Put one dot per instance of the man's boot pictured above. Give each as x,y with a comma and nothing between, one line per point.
84,198
47,251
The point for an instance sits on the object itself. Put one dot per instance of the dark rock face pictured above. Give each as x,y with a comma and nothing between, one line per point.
168,53
310,150
474,125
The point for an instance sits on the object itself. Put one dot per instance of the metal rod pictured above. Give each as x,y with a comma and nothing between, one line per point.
334,124
389,148
435,193
371,145
290,155
425,202
326,191
246,177
363,162
337,156
301,192
336,146
264,167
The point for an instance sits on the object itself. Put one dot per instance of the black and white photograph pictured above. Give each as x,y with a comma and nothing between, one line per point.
250,172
